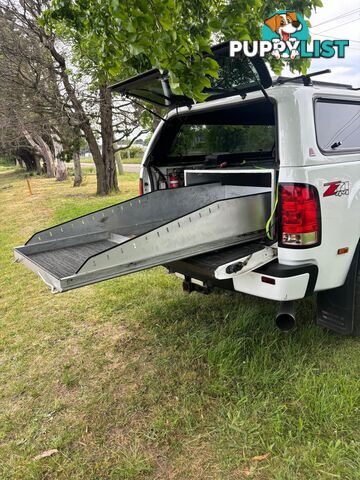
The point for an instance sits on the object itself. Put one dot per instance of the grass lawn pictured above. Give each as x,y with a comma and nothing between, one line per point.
133,379
134,160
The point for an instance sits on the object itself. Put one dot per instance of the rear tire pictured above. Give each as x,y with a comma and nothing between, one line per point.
339,308
357,301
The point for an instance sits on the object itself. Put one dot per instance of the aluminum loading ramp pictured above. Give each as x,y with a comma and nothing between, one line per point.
156,228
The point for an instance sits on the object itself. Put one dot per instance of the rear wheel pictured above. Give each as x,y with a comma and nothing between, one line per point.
357,300
339,308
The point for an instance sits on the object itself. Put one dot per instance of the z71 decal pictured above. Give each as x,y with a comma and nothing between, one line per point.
337,189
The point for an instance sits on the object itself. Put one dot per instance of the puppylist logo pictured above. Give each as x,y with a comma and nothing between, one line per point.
285,30
285,35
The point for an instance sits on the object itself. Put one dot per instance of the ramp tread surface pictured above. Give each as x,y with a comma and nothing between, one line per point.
66,261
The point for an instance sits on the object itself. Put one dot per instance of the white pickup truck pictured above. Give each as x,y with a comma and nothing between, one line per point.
256,190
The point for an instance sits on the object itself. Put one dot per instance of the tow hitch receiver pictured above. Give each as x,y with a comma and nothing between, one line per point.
193,285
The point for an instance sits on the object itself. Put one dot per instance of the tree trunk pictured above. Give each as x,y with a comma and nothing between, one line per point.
120,167
47,155
43,149
97,158
61,172
77,170
38,164
84,121
108,154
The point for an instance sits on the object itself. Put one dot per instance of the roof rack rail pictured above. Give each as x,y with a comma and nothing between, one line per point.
306,79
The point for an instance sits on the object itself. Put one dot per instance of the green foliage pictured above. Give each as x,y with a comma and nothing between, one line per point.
208,139
6,160
240,138
71,145
135,151
115,39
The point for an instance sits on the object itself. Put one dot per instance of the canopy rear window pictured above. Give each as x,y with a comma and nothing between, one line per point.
238,133
222,139
237,75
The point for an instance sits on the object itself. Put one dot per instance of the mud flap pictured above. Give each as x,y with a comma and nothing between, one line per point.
336,307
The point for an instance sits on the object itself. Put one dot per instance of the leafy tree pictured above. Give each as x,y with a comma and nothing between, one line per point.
78,102
117,38
31,115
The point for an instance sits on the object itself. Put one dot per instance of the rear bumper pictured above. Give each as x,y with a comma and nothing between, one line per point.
287,282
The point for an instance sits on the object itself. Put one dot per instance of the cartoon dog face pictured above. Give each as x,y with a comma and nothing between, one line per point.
284,24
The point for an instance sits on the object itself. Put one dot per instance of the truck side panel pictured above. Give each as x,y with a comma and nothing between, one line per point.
340,222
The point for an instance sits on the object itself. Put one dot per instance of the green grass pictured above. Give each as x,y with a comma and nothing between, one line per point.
6,164
133,379
6,161
135,160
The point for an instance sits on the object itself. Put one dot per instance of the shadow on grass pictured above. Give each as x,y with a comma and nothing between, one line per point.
223,370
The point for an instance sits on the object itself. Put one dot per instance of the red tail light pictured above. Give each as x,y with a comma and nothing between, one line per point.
300,218
141,187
